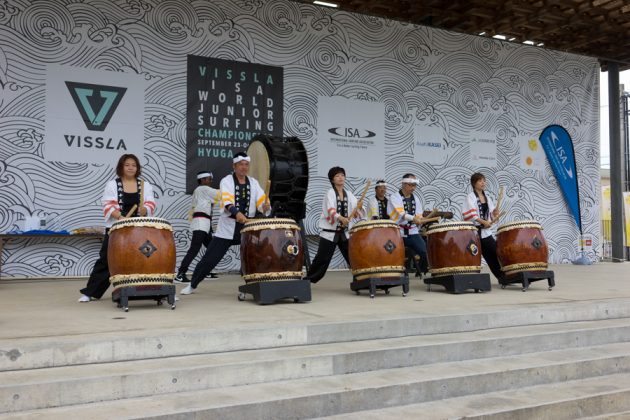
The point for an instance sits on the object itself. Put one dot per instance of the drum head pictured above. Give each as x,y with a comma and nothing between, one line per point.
260,166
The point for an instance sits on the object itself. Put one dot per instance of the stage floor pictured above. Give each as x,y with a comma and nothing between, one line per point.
49,307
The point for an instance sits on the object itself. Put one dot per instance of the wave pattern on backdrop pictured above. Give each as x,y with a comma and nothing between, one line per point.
424,77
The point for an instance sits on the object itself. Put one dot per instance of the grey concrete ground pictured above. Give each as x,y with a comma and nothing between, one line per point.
49,307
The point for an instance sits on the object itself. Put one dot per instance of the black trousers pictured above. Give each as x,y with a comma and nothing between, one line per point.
417,244
489,252
324,255
98,283
215,251
199,237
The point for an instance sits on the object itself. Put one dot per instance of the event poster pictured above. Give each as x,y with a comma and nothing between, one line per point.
483,149
228,103
93,116
351,134
429,144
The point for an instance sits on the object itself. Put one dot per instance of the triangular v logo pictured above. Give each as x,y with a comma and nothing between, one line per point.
96,103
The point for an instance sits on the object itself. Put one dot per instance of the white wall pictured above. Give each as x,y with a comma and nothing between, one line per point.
452,82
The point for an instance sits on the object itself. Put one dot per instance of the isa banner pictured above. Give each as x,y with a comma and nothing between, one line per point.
351,134
228,103
558,147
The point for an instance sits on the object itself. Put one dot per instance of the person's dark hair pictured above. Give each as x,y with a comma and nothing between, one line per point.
121,165
408,176
380,181
200,179
476,177
243,154
334,171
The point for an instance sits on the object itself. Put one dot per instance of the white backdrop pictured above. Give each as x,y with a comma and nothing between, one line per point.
449,83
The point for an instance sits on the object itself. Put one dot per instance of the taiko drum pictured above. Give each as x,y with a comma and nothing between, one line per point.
453,248
521,247
271,249
141,252
376,250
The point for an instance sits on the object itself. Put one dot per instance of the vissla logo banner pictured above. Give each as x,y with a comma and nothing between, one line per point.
93,116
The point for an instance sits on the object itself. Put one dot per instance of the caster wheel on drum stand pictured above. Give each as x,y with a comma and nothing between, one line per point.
387,291
371,296
241,297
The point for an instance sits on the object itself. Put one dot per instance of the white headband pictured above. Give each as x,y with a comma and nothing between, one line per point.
381,184
410,181
237,159
204,175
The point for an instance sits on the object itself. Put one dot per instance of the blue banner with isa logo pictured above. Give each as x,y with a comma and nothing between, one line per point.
558,147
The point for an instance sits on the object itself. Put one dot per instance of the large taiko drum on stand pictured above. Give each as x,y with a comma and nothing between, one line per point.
283,161
141,257
453,248
521,247
376,250
271,249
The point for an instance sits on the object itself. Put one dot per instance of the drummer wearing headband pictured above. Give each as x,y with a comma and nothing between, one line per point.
404,210
377,206
479,209
203,198
119,198
337,208
241,198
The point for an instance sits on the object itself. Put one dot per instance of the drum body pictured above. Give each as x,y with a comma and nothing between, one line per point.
271,249
376,250
521,247
284,162
141,252
453,248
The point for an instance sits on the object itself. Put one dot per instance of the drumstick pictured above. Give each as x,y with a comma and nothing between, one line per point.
432,214
267,188
365,190
500,198
130,212
496,219
423,220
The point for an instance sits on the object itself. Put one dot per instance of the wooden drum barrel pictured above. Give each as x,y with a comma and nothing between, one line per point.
271,249
141,252
376,250
521,247
453,248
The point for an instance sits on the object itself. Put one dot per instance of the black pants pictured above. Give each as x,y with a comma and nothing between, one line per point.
214,253
199,237
324,255
98,283
489,252
417,244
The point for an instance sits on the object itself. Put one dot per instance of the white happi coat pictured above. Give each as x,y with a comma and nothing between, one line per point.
372,208
329,218
397,213
110,201
470,212
257,197
203,199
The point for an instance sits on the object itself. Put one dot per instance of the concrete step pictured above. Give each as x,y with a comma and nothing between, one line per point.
330,395
593,398
32,389
43,352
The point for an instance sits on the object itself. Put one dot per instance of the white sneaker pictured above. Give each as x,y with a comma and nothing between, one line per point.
84,298
188,290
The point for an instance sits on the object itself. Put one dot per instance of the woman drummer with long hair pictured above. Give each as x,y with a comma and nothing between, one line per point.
122,195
